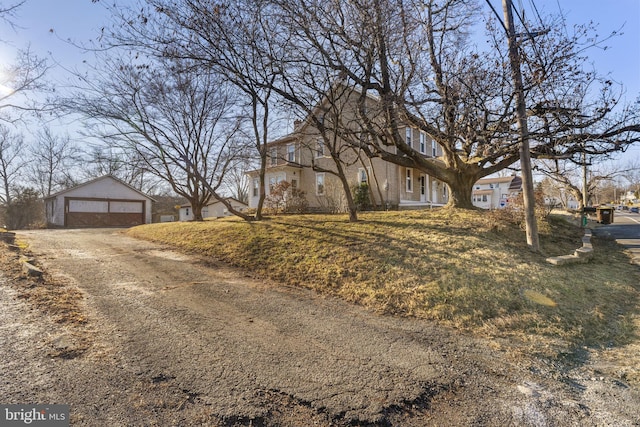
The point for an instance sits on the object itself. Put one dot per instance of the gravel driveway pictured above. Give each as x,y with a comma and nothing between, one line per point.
174,340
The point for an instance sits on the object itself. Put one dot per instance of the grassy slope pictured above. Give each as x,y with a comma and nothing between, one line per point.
456,267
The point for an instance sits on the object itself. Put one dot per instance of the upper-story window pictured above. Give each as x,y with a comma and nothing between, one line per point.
434,148
408,135
423,143
291,153
320,148
274,156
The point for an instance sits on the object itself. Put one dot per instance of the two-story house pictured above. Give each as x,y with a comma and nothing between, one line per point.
293,157
496,193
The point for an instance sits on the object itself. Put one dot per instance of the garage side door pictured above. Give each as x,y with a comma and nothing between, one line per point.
85,212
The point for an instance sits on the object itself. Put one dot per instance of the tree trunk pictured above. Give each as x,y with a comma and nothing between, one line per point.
231,209
351,205
461,189
261,187
196,209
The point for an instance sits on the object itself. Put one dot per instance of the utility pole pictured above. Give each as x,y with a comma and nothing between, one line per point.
521,109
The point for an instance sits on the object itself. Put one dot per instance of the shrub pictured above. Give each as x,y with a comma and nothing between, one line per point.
361,196
283,199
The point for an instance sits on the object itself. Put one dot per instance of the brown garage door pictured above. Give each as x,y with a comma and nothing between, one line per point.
90,212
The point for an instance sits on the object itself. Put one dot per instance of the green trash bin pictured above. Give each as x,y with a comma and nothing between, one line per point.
604,215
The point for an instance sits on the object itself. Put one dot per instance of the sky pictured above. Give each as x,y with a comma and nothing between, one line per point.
47,25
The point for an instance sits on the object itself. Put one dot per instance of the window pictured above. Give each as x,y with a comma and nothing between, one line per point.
319,148
274,156
291,153
362,176
434,149
423,185
275,180
320,184
409,180
423,143
484,197
256,187
294,184
408,132
187,212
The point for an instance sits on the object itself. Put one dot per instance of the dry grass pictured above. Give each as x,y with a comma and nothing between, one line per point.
464,269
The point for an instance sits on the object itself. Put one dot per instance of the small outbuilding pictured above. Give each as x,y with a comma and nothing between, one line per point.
102,202
214,209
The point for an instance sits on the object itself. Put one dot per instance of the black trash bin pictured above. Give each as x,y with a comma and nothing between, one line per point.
604,215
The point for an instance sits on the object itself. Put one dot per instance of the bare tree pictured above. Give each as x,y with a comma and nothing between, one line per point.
171,116
237,182
8,12
631,172
419,60
24,76
11,162
569,176
51,162
11,166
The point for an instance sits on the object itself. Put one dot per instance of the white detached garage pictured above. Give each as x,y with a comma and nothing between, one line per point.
102,202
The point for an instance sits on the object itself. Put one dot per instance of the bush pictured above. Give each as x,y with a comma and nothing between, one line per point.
283,199
361,196
514,212
25,211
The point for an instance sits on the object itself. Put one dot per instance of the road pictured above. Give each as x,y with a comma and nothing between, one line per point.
626,230
174,340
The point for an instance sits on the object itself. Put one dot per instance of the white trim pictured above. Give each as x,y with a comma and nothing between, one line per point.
408,180
324,183
423,143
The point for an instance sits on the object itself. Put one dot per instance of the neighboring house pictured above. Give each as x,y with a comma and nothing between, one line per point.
629,198
214,209
496,193
102,202
567,202
291,158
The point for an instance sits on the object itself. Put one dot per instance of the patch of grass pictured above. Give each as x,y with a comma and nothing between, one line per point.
457,267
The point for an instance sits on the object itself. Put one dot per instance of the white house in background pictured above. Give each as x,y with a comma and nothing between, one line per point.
496,193
567,202
102,202
629,198
215,209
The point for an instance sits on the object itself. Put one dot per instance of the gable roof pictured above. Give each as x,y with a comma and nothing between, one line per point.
84,184
515,182
495,180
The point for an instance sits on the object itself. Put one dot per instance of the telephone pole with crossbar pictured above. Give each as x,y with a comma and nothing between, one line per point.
521,109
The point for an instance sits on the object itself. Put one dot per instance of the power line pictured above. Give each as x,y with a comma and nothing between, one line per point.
497,16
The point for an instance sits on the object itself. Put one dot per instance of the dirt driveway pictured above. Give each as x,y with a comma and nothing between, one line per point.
171,341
